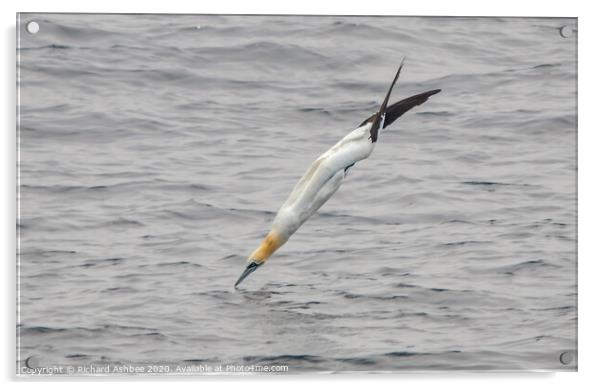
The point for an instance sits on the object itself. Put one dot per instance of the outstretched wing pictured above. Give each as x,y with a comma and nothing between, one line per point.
396,110
377,119
401,107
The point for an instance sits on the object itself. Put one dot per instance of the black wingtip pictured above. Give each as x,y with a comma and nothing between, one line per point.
432,92
396,110
376,123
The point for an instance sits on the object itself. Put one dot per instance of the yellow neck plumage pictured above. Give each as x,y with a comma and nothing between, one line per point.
268,246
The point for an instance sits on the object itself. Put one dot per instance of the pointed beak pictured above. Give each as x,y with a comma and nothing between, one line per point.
248,271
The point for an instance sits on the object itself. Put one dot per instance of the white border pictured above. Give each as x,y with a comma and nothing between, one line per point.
589,183
456,8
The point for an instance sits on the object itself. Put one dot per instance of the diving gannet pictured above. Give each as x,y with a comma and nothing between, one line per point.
325,175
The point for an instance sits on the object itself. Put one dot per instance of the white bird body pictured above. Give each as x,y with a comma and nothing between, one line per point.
322,180
325,175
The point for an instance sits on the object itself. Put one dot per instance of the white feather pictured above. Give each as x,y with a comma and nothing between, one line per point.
322,180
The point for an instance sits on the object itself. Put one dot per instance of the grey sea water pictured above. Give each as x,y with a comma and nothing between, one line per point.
154,151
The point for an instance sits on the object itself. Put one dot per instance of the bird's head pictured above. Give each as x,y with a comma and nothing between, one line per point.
260,255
